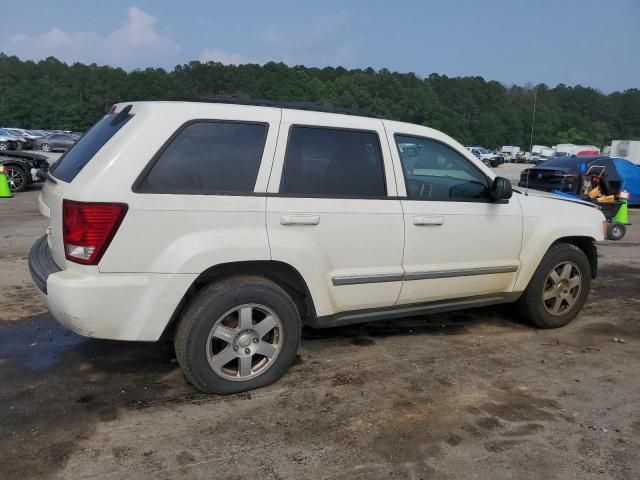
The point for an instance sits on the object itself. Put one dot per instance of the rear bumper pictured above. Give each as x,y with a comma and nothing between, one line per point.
41,264
116,306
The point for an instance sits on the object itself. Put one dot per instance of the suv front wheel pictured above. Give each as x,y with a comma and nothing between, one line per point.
558,289
238,334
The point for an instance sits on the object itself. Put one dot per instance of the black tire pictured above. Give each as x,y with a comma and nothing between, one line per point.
18,179
45,147
531,304
205,311
615,231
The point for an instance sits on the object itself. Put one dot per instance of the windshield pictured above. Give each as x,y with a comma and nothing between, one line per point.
483,150
5,132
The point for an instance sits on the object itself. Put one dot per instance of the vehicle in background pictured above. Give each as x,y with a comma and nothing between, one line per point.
55,142
627,149
11,138
23,169
23,135
37,133
561,173
488,158
509,152
8,142
566,149
77,135
540,154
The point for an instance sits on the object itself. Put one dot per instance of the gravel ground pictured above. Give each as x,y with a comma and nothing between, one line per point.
473,394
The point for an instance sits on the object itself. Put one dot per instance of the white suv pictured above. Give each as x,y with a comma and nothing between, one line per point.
232,226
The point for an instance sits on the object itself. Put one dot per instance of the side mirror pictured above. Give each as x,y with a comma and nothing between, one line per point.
500,189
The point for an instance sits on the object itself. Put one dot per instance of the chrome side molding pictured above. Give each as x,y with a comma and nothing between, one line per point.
399,277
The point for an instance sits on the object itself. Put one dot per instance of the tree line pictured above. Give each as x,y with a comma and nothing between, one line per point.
51,94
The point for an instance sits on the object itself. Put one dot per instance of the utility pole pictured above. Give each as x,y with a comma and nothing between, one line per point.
533,116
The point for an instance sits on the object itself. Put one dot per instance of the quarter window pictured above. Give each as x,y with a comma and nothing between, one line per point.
331,162
209,158
434,171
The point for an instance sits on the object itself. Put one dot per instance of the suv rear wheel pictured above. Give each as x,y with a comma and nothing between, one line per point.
558,289
238,334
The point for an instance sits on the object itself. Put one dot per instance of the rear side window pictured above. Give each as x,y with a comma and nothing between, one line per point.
330,162
208,158
72,162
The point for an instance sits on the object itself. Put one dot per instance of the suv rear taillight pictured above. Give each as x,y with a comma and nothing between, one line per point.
88,228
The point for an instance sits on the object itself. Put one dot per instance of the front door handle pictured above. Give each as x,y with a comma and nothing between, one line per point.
427,221
299,219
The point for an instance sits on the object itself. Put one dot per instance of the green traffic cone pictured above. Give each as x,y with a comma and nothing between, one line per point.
623,213
5,191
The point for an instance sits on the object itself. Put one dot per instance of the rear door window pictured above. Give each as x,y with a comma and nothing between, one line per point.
208,157
333,163
72,162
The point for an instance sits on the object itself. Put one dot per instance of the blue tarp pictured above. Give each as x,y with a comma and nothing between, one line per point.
629,173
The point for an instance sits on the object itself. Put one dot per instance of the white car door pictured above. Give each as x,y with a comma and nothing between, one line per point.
333,212
459,244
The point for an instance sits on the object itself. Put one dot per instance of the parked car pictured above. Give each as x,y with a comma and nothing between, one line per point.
9,141
38,133
55,142
24,136
229,227
23,169
560,173
510,153
485,156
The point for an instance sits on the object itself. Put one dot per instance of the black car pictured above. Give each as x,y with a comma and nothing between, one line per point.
561,173
23,169
55,141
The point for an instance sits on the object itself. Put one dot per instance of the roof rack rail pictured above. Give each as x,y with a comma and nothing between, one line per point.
245,99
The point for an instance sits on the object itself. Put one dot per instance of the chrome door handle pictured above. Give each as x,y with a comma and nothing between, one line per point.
299,219
427,220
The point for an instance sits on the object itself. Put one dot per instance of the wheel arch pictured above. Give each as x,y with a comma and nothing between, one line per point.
533,254
281,273
587,245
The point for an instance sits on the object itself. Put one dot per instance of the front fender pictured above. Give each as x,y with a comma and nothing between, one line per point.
546,221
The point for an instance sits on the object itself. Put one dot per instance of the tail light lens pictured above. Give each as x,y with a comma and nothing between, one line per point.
88,229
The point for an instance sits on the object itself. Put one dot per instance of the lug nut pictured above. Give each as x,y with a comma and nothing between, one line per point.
235,348
247,351
255,340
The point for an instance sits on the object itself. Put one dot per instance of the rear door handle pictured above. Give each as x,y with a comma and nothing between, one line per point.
299,219
427,220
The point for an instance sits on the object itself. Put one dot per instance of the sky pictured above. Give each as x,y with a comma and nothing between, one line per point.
593,43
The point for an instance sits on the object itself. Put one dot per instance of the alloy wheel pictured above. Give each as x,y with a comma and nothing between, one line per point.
562,288
16,179
244,342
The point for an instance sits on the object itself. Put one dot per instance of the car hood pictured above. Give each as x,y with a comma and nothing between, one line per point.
538,193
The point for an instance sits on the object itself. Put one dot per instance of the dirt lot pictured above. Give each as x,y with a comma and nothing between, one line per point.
473,394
